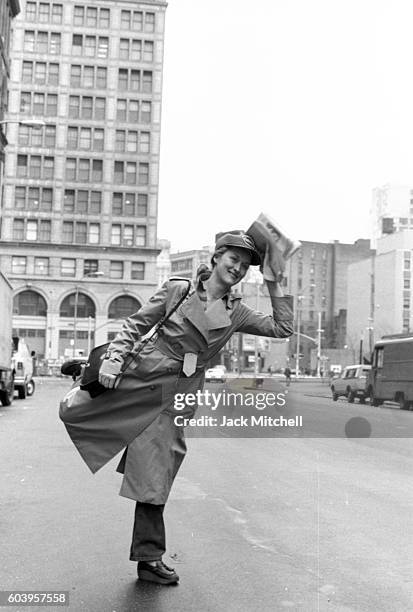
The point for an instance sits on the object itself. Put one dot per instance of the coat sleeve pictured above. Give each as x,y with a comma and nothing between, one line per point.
279,325
139,324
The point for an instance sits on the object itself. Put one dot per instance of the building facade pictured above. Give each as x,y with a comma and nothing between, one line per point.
8,11
81,194
380,292
316,275
185,263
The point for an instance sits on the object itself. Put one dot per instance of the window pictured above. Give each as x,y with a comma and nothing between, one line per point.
115,234
67,235
90,266
38,104
41,266
147,81
143,174
116,269
31,11
67,267
123,307
29,303
90,46
149,22
18,229
44,12
148,51
81,232
138,270
18,265
82,201
33,198
45,230
94,233
88,76
140,239
42,42
31,230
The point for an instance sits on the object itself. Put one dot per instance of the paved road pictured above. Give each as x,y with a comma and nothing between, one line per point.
268,524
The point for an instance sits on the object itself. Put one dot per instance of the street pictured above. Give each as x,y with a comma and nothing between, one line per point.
306,522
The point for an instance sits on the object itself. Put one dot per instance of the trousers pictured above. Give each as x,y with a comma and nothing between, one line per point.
148,537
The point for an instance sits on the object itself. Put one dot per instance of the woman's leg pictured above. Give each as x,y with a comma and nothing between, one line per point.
148,538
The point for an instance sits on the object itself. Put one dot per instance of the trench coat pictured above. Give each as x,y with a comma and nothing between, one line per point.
139,414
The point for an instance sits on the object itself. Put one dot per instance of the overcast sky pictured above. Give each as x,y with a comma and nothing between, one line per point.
292,107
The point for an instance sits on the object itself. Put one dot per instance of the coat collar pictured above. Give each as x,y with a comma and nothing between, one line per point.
215,317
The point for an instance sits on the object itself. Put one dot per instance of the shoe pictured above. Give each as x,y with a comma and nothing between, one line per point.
160,573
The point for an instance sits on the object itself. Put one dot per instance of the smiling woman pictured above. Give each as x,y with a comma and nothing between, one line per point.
173,361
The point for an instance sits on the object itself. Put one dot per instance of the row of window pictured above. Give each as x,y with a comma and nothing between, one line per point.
79,232
81,201
44,12
82,107
41,267
92,139
30,303
311,269
89,76
89,16
82,170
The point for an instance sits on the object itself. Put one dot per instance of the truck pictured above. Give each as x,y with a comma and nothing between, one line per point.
23,368
391,374
6,345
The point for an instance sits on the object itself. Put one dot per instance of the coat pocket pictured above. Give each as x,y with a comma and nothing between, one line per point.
151,363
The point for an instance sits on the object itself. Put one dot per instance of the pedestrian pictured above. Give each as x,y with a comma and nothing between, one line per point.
174,361
287,374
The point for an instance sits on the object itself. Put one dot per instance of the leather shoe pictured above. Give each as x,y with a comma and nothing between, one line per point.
160,573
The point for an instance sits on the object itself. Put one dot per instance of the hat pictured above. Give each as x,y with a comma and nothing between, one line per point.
242,241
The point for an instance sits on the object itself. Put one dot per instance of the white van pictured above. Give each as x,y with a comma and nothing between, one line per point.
22,363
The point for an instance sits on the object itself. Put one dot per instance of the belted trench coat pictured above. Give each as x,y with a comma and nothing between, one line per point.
139,413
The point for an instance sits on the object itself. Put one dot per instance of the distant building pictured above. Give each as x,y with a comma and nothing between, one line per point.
81,193
380,291
163,261
391,210
185,263
316,276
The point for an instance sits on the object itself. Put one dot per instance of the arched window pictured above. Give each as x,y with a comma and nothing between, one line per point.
123,306
29,303
85,306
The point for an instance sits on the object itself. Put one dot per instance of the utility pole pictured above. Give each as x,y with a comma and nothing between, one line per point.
319,331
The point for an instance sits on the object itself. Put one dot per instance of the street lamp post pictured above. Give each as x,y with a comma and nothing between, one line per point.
87,275
297,356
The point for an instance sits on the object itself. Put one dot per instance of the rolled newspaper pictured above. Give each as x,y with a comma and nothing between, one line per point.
273,244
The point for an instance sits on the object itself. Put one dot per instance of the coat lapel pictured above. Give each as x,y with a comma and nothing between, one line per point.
193,310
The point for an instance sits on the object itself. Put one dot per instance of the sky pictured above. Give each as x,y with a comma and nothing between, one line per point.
296,108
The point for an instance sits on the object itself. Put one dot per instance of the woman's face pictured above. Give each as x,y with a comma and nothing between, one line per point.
232,266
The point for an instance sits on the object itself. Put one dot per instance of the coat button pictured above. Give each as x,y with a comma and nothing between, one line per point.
152,387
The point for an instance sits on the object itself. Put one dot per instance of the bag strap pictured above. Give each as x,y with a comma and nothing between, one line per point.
161,322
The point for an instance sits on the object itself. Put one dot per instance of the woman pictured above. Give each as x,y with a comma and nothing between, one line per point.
174,361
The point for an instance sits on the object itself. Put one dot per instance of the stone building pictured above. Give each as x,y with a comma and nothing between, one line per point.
79,210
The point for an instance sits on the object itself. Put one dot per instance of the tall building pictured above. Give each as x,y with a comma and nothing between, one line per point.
8,10
81,194
316,275
391,210
380,301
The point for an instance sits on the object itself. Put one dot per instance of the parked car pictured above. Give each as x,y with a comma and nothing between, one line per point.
352,383
23,368
216,374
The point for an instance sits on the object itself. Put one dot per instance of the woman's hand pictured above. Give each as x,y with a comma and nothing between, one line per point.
273,265
109,373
